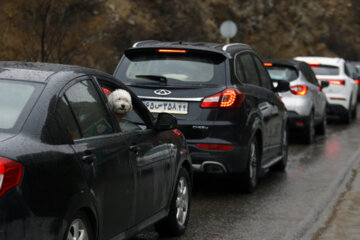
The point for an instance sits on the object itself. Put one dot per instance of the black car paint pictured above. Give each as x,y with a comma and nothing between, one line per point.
59,180
261,114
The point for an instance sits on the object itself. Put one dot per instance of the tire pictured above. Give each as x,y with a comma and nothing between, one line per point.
79,228
321,128
281,165
251,175
354,112
309,133
176,222
346,118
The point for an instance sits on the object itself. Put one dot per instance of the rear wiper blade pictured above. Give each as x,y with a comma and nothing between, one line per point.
161,79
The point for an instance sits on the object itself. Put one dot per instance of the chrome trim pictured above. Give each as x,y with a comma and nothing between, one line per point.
173,99
201,167
275,160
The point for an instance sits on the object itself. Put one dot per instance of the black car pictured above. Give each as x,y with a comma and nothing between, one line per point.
68,172
223,99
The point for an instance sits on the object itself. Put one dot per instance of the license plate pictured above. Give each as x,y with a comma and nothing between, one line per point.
168,107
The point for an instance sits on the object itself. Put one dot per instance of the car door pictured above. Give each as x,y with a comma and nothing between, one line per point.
277,114
102,153
150,155
254,91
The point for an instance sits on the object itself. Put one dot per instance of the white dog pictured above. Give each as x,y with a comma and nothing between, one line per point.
120,102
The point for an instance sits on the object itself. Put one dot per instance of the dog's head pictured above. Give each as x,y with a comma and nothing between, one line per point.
120,101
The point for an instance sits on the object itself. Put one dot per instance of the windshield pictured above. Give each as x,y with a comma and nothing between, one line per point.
171,69
15,98
282,73
325,70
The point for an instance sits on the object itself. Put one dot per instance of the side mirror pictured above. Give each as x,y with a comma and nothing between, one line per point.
165,121
324,84
282,86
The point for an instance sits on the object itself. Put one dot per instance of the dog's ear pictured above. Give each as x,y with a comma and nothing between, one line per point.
110,101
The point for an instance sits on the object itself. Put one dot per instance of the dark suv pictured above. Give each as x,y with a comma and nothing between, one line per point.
223,99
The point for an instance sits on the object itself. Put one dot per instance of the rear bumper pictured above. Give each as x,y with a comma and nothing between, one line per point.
336,109
214,161
296,122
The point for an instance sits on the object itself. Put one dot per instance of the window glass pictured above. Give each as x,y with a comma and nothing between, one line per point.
250,72
265,80
13,98
88,109
132,120
238,70
282,73
325,70
64,111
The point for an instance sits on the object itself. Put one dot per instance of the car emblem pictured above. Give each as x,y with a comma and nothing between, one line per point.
162,92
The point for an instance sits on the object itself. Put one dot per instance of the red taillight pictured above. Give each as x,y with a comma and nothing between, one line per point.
222,147
177,132
337,82
268,64
357,81
299,89
229,98
10,174
106,91
171,51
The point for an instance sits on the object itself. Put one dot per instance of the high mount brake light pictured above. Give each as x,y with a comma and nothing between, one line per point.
171,51
10,174
314,65
299,90
268,64
229,98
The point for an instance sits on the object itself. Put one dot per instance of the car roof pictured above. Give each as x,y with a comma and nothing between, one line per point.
228,50
323,60
39,72
286,62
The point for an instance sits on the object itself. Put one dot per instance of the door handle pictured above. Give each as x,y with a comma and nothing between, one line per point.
134,148
90,158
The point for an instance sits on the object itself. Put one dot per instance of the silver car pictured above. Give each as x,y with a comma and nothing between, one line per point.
305,102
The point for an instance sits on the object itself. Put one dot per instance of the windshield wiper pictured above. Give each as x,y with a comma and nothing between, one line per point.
161,79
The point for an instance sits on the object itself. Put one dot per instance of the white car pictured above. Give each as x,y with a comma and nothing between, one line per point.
342,92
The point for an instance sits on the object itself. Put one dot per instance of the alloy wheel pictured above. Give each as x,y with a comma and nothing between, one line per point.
77,230
182,201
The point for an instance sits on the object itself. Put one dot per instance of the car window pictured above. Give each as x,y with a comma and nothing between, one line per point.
325,69
131,121
265,80
250,72
83,112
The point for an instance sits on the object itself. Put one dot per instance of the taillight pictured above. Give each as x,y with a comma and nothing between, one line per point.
10,174
229,98
299,89
337,82
357,81
222,147
268,64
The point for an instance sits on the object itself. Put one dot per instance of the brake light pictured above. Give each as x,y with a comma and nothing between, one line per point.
222,147
299,89
177,132
268,64
229,98
337,82
172,51
314,65
357,81
10,174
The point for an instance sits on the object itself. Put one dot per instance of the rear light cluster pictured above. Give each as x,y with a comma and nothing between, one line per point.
299,90
229,98
221,147
357,81
10,174
334,81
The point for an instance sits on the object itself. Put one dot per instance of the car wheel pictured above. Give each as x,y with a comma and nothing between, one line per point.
250,177
347,116
354,112
175,223
321,128
309,133
79,228
281,165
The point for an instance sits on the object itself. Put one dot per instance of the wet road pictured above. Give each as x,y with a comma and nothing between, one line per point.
284,204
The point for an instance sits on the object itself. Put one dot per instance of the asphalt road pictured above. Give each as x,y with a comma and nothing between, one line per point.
285,205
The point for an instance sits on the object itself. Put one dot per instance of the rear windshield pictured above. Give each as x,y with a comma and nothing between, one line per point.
282,73
325,70
172,69
16,98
